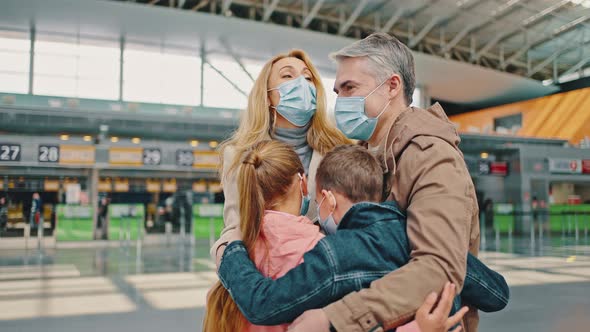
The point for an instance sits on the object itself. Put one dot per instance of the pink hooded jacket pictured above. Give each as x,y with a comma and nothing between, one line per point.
284,239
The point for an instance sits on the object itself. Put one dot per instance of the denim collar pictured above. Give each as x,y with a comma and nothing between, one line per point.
365,214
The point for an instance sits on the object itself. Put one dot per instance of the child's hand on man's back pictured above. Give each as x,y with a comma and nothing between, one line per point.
438,320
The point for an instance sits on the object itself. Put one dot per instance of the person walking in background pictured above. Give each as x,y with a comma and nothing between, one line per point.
36,216
102,222
3,214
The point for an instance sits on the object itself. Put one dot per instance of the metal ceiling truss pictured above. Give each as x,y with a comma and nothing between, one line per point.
360,18
440,20
495,15
236,58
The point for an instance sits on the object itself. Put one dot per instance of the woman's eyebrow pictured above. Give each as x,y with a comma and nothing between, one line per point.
287,66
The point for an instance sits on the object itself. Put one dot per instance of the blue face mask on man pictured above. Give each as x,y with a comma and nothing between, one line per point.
329,224
304,199
351,118
298,101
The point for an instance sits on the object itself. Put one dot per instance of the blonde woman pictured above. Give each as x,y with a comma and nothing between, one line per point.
287,103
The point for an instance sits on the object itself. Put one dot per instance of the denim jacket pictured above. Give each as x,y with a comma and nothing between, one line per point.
371,241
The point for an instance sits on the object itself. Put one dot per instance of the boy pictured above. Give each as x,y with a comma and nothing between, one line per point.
370,242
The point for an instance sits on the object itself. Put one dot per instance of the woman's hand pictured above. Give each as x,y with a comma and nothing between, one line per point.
438,320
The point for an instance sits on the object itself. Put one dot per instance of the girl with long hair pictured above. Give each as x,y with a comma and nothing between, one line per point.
273,190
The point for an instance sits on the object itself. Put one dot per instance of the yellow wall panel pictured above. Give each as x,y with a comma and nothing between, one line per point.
565,115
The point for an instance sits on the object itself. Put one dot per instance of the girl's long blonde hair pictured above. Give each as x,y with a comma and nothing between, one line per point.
257,122
265,175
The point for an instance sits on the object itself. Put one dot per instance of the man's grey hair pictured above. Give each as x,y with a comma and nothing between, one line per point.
386,56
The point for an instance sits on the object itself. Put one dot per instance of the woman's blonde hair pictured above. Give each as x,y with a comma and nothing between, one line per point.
257,122
265,175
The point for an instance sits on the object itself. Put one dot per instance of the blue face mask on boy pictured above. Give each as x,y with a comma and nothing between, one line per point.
328,225
298,101
304,199
351,118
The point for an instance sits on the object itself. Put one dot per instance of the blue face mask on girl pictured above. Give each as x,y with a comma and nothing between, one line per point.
351,118
328,225
298,101
304,198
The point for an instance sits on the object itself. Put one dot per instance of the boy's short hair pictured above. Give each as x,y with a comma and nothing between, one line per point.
352,171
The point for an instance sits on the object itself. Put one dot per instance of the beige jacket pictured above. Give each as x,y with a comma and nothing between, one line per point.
426,174
231,208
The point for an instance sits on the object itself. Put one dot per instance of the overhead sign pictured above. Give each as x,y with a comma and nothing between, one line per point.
105,185
483,167
184,157
152,186
9,152
499,168
206,160
76,154
51,185
152,156
567,166
48,154
134,156
169,186
200,186
126,156
487,167
121,185
215,187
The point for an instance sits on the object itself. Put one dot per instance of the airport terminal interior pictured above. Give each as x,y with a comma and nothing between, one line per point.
112,113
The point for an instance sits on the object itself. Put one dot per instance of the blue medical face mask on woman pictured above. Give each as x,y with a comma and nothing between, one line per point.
329,224
351,118
304,198
298,101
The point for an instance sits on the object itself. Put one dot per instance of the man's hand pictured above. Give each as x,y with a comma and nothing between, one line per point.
438,320
311,321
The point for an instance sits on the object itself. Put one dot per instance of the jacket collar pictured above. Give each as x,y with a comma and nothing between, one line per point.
364,214
413,122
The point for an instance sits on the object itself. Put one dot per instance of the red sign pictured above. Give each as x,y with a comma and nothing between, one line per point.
574,200
586,166
499,168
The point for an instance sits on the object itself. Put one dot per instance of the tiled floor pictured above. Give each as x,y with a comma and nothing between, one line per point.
164,288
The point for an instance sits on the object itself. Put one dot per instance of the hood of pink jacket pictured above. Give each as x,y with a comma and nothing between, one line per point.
283,241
